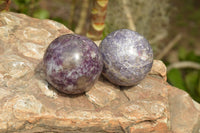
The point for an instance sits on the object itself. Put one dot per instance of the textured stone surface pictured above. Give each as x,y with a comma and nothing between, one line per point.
72,63
184,114
127,57
159,69
29,104
101,89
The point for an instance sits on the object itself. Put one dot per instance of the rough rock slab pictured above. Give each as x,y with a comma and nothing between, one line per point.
29,104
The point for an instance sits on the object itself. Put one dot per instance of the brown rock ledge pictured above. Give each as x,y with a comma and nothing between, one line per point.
29,104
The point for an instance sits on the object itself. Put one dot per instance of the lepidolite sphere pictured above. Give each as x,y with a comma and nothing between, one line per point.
72,63
127,57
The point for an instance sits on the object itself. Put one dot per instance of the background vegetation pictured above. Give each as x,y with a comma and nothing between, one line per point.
171,26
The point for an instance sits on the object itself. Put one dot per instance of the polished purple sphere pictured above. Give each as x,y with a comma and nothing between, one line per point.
127,57
72,63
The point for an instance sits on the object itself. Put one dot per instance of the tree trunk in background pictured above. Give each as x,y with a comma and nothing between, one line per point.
97,21
72,12
83,18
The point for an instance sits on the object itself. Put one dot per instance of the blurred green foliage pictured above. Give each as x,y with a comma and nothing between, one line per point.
176,74
31,8
41,14
187,19
186,79
1,2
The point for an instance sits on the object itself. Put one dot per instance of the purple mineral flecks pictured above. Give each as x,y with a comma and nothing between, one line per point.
72,63
127,57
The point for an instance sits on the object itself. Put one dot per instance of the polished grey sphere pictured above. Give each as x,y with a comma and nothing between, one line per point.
127,57
72,63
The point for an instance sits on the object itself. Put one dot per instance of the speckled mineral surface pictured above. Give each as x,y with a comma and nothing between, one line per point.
127,57
72,63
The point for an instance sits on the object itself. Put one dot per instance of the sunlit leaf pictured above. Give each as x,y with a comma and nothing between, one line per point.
41,14
21,2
